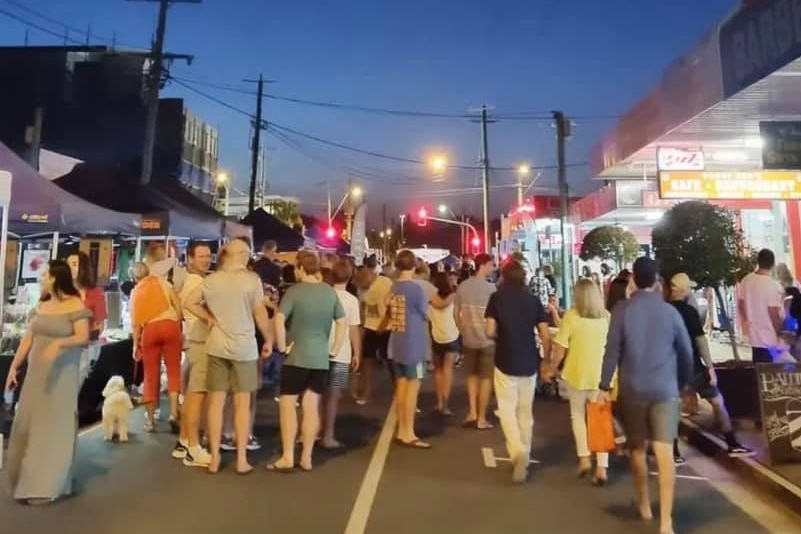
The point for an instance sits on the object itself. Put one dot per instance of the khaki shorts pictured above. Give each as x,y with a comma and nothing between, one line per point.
232,376
480,362
645,421
196,367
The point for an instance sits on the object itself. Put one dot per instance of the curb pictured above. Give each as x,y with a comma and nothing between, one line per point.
762,476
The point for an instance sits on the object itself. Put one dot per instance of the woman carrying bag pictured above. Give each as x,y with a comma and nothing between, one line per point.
583,333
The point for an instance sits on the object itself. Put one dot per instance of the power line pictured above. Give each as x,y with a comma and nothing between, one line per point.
36,26
52,20
284,129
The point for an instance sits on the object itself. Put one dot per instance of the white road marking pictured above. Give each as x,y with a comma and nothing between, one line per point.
682,477
489,457
357,523
491,461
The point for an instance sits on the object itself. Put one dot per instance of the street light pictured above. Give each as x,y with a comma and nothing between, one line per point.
523,170
438,164
223,181
389,232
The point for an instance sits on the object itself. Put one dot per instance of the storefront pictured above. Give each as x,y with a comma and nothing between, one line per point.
723,125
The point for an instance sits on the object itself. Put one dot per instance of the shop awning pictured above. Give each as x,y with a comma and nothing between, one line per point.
40,206
713,99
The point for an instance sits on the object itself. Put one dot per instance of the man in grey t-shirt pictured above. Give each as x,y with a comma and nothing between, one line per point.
472,297
230,301
650,349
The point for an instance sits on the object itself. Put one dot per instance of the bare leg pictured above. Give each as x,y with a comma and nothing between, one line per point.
174,407
484,394
190,418
228,417
289,430
410,410
252,421
150,416
330,406
639,471
242,430
368,371
401,386
439,382
666,469
310,428
472,398
214,427
447,381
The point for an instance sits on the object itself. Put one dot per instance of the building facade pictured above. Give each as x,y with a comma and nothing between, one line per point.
90,102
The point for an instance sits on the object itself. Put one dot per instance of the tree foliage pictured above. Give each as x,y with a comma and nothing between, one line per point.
701,240
609,243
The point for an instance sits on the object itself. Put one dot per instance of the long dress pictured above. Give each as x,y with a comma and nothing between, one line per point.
44,434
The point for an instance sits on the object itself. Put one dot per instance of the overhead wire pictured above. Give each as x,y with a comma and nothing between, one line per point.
85,34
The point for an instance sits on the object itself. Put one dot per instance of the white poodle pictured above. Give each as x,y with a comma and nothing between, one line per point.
116,408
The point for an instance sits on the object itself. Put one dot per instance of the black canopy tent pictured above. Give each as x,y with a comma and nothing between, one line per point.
267,226
178,209
39,206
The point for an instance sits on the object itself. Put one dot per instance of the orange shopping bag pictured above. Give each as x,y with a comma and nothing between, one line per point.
600,430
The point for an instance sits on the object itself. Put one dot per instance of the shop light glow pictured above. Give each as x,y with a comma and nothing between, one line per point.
753,142
730,156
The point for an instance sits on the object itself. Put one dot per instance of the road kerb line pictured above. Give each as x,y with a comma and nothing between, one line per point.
360,514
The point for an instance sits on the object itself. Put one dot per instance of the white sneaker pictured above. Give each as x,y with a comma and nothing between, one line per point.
197,457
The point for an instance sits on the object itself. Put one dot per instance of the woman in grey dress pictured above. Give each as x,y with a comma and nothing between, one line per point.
44,434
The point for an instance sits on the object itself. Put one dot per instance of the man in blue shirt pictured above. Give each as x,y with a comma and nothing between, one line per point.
408,345
649,347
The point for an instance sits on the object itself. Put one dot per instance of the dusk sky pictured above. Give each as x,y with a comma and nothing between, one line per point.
590,59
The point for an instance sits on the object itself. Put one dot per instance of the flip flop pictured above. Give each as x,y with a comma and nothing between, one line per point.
416,444
488,426
272,467
246,472
337,447
473,423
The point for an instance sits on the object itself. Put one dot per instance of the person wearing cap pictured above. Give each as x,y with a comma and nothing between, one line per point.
649,348
705,381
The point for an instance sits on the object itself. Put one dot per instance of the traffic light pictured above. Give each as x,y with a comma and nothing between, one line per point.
476,242
331,233
422,217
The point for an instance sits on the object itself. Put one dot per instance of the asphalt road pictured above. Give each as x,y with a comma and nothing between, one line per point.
372,488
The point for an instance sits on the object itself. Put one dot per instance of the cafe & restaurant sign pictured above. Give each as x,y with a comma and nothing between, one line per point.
730,185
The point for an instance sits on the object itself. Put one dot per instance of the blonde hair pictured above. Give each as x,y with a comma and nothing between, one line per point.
784,275
140,271
588,300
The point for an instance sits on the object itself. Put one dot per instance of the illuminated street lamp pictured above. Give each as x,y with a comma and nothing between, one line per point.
223,180
438,164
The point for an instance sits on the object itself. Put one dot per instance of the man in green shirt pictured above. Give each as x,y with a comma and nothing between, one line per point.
303,329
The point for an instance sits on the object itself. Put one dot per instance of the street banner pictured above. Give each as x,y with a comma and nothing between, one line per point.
730,185
358,238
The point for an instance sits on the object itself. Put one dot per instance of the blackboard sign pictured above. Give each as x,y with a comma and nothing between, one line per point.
779,386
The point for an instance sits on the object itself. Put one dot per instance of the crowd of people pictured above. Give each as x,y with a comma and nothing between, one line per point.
324,326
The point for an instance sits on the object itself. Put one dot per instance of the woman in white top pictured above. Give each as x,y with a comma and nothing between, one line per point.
445,339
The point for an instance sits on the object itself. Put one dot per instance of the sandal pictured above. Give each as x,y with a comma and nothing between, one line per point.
149,426
275,468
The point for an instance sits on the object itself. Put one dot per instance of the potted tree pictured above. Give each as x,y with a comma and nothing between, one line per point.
610,243
703,241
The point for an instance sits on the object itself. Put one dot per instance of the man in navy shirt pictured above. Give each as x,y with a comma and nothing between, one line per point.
514,316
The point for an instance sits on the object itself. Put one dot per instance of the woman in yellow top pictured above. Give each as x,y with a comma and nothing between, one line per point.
582,332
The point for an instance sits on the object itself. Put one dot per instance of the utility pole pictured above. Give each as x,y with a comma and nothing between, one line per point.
519,191
485,177
562,133
153,85
256,148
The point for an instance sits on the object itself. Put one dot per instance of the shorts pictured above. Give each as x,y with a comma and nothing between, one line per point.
338,375
197,367
480,362
441,349
650,421
297,380
231,375
410,372
700,384
375,345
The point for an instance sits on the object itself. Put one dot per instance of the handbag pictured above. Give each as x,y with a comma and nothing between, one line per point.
600,428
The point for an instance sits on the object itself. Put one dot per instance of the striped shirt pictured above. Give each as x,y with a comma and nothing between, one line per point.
472,297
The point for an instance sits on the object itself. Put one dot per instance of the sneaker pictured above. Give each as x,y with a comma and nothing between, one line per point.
227,444
253,444
738,451
180,450
679,460
197,457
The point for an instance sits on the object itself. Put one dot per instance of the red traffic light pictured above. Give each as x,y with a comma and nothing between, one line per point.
476,242
331,232
422,217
